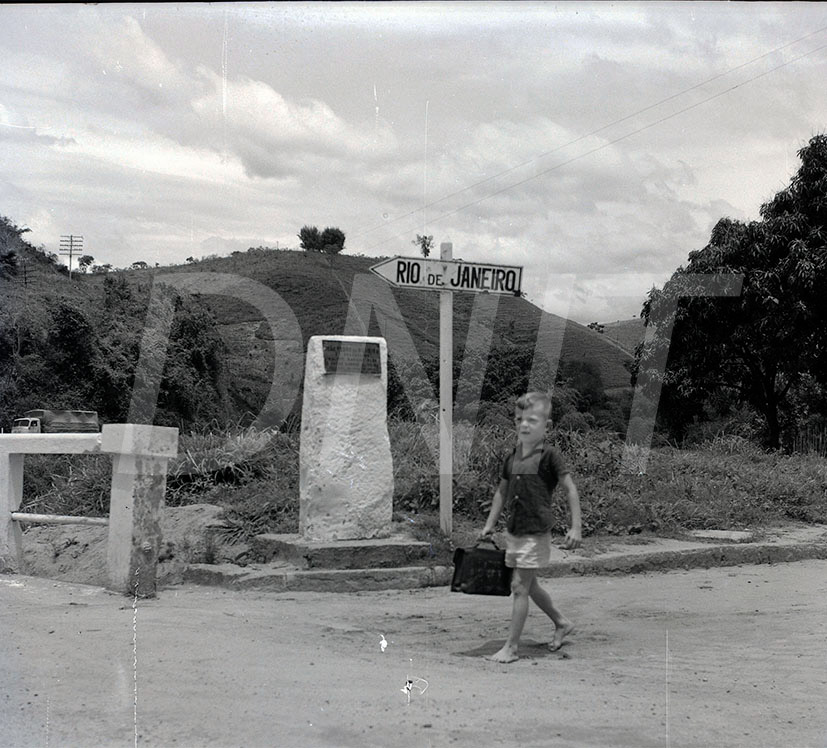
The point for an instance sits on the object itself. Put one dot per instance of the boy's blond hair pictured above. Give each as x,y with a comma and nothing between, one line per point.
535,400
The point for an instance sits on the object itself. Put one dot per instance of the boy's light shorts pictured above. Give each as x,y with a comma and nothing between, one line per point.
527,551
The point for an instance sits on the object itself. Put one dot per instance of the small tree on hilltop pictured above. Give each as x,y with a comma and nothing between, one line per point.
84,262
311,239
332,240
425,244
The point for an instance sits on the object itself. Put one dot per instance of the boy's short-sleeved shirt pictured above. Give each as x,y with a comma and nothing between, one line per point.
531,480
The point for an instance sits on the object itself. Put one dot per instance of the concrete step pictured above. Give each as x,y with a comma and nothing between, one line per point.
273,579
380,553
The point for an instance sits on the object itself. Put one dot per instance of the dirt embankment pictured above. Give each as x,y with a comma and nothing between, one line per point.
77,553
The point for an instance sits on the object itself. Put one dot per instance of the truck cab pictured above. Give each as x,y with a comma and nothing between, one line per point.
26,426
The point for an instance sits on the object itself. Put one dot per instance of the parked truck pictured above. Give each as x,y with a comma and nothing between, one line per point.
56,422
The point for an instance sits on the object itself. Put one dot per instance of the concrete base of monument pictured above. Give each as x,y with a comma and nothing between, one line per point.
378,553
290,563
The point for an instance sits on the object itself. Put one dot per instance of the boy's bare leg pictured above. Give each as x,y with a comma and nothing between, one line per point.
521,583
562,626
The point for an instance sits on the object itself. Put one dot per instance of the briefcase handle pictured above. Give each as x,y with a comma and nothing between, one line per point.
487,539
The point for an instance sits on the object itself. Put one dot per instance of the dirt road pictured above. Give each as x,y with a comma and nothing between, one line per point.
720,657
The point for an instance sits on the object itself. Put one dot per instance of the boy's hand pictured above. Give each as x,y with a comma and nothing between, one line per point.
572,540
484,534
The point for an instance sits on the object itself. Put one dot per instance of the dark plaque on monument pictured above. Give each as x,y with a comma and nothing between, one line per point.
351,357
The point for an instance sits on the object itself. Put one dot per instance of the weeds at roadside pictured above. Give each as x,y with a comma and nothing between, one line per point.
67,484
726,483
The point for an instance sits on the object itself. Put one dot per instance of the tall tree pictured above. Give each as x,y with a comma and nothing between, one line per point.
757,346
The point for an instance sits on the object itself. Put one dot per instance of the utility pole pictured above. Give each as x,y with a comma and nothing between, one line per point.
70,244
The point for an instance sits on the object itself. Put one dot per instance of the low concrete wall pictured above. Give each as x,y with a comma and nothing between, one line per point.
140,455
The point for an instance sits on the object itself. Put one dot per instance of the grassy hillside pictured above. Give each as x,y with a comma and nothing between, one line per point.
36,276
318,289
626,333
315,292
73,344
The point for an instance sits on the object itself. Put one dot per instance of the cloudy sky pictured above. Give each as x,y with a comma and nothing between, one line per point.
594,144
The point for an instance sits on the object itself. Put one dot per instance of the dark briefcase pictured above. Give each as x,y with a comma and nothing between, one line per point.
481,571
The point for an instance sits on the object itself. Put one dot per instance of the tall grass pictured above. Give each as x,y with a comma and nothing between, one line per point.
811,440
725,483
253,474
67,484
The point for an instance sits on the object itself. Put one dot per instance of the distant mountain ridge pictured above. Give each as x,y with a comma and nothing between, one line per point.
627,333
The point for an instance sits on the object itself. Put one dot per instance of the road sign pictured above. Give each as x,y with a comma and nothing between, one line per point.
446,275
450,275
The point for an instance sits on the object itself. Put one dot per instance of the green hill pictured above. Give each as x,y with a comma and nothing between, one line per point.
74,342
318,289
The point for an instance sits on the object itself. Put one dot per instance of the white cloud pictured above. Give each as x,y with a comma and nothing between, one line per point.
157,155
124,51
257,123
151,129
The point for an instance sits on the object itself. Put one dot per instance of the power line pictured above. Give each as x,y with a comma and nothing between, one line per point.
600,147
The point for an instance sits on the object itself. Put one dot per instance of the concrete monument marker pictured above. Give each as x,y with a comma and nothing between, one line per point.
346,473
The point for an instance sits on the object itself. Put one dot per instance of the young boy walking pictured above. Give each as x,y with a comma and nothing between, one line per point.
529,475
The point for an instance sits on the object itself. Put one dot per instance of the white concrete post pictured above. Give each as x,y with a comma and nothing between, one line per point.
140,455
11,494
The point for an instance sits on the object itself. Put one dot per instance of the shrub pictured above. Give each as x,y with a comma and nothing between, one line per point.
234,457
258,507
576,421
77,485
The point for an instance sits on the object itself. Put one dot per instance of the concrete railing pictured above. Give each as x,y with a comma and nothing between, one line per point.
139,474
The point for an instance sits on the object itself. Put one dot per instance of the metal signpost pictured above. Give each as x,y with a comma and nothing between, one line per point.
447,276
